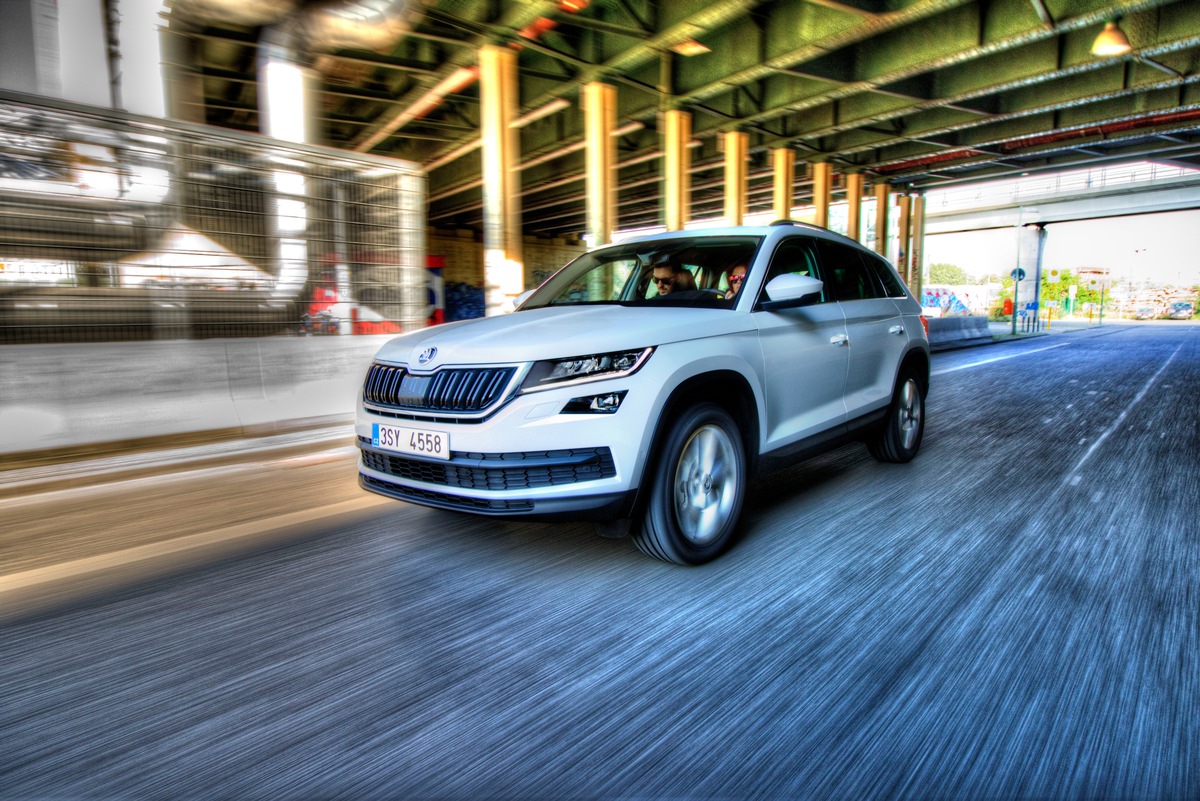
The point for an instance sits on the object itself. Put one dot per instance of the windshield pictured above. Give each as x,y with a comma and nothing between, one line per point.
699,271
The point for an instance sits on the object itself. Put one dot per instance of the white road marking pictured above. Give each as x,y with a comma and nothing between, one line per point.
945,370
1073,476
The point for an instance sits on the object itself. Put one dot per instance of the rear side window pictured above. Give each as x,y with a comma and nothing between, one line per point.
846,274
892,286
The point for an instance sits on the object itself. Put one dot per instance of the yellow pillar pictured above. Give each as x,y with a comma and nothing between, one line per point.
503,268
918,245
903,264
822,190
737,150
600,116
881,218
784,161
677,159
854,193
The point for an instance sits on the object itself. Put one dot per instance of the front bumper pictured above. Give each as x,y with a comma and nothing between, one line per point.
527,460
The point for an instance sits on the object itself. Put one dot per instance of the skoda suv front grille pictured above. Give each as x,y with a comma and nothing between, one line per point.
458,390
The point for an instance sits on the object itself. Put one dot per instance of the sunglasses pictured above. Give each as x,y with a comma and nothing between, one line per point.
736,279
663,280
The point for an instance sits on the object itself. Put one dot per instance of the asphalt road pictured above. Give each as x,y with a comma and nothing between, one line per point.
1016,614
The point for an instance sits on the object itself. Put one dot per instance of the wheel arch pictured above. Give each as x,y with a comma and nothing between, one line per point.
917,359
728,389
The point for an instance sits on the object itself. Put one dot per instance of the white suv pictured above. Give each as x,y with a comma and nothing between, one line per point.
606,396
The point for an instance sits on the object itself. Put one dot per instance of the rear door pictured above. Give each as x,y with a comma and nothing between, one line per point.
876,333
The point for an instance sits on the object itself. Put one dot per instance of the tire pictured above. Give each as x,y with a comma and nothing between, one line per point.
900,438
697,490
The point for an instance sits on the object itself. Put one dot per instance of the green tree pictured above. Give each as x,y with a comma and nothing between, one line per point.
950,274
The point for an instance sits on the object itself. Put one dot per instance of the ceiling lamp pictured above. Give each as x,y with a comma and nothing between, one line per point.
1112,41
690,47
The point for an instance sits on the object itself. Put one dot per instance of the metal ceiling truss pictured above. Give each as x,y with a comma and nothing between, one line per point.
917,93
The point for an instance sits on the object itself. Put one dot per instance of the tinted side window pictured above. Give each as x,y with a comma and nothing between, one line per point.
892,286
797,255
846,276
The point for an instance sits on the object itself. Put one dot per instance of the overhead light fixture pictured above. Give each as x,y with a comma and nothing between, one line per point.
1112,41
690,47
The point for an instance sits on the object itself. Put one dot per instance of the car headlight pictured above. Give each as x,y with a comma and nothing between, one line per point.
554,373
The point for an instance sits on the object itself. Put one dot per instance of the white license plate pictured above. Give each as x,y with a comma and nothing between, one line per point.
418,442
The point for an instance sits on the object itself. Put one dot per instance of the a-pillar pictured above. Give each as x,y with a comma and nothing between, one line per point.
677,135
854,194
882,221
783,160
503,265
600,117
822,172
737,149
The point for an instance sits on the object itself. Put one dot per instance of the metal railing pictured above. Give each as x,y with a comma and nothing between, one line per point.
119,227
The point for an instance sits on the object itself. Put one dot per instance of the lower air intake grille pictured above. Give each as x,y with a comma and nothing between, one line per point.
498,471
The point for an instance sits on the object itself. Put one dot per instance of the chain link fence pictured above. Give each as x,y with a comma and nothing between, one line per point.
115,227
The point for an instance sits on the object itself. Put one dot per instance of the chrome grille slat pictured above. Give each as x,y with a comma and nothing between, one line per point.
451,389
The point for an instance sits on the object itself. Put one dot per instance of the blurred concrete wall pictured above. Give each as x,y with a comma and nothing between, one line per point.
62,396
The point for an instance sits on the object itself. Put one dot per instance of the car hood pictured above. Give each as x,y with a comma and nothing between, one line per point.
557,332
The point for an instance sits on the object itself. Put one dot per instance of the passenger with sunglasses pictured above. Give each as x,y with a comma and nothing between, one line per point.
736,276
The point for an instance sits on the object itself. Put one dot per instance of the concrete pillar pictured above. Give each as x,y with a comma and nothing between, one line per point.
600,117
917,249
783,159
286,85
882,203
1031,247
822,191
904,235
140,86
676,161
737,151
503,264
56,49
854,193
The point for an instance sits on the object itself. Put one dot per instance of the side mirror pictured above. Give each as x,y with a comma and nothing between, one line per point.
789,291
519,299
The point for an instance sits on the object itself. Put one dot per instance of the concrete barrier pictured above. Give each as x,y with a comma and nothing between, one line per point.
956,332
70,396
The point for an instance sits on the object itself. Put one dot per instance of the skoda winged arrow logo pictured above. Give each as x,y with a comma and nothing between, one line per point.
427,356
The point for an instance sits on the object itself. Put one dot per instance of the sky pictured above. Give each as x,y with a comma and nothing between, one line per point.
1162,248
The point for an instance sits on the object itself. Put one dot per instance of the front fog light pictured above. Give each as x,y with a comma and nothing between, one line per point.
608,403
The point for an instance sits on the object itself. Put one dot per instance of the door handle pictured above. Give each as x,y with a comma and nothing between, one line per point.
896,329
839,339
